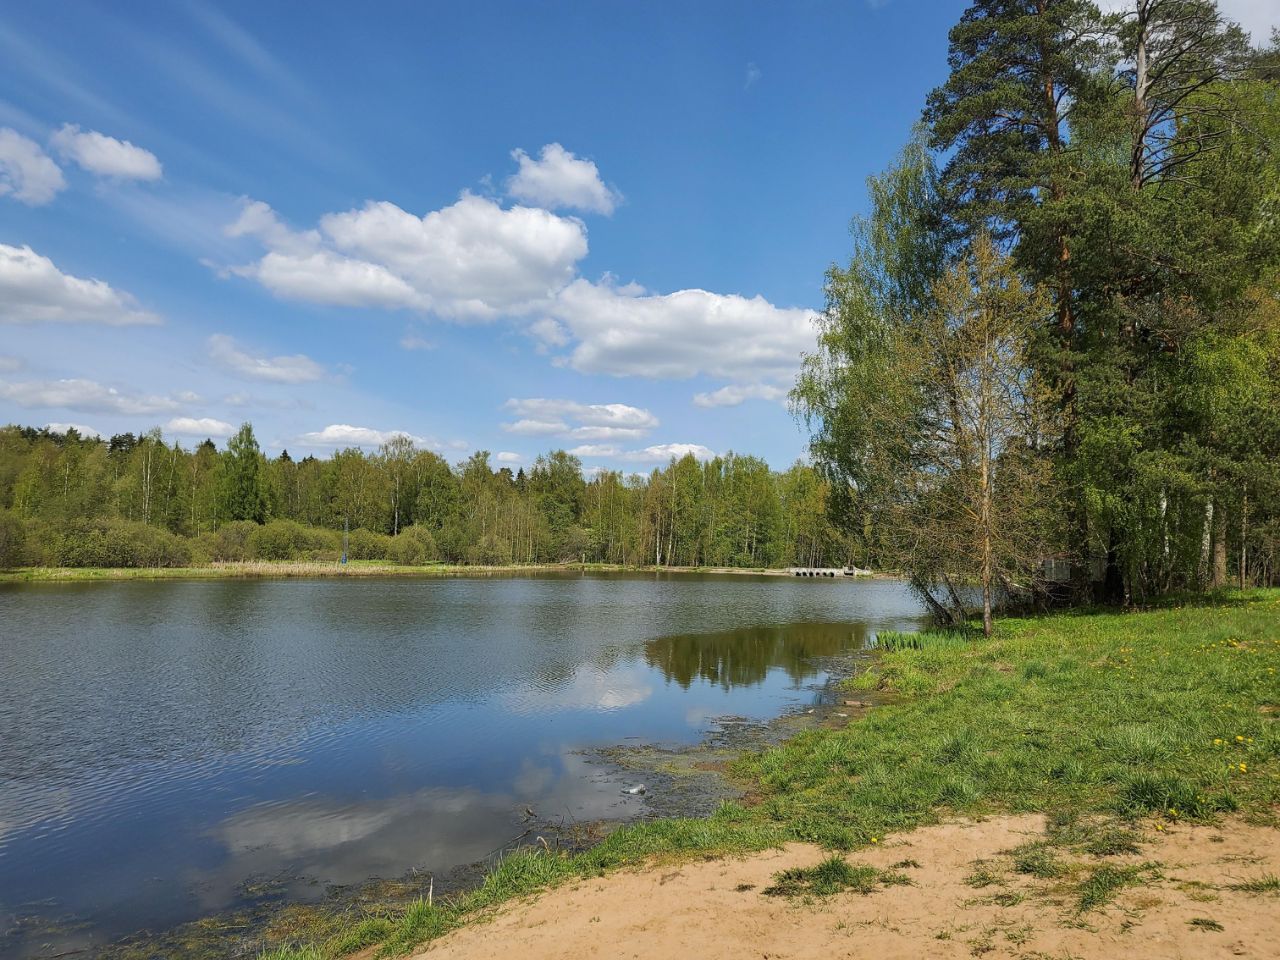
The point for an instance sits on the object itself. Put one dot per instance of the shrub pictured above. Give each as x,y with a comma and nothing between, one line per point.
230,542
115,543
287,540
366,545
489,551
414,546
13,540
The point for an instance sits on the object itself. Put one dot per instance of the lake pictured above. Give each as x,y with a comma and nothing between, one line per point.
165,746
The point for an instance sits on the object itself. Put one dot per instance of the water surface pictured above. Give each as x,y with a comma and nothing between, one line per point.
164,746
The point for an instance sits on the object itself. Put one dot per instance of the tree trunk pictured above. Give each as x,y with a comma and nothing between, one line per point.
1219,546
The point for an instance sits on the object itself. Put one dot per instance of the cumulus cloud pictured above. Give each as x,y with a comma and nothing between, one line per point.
596,450
507,456
536,428
79,428
199,427
33,290
558,179
84,395
106,156
735,394
540,416
625,332
478,260
473,260
662,452
26,172
345,435
297,368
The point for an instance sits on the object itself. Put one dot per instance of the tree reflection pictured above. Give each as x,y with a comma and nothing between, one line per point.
743,657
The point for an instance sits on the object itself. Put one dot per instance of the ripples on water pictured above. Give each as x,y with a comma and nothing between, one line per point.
161,743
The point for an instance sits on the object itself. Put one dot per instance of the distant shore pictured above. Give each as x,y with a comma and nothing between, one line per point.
262,569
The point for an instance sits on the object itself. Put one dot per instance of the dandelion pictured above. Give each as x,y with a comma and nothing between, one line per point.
877,839
1244,768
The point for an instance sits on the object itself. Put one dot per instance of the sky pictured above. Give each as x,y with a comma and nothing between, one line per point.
507,226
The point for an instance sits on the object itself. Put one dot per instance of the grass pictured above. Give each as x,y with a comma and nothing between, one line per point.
1267,883
1103,883
1105,721
1206,924
834,875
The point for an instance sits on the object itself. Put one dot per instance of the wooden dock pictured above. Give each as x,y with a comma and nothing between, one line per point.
827,572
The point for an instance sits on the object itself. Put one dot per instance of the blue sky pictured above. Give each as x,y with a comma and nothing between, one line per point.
503,226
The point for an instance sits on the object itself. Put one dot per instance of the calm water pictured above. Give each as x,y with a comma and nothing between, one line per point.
162,744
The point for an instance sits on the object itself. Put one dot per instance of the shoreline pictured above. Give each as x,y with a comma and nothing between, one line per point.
317,570
1063,717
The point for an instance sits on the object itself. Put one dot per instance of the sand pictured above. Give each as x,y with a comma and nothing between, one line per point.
716,909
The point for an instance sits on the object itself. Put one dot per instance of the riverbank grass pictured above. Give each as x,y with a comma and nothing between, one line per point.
1116,724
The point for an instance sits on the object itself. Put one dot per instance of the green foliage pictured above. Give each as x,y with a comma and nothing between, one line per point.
414,546
729,511
367,545
891,640
243,496
288,540
111,543
13,540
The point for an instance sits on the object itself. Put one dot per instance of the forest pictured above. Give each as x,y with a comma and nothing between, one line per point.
137,500
1052,364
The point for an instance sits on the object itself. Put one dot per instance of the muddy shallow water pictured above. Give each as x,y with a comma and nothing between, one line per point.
170,750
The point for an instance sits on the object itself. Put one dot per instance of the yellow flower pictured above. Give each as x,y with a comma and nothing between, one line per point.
1239,739
877,839
1244,768
1217,741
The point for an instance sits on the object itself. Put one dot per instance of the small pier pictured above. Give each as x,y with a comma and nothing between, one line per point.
826,572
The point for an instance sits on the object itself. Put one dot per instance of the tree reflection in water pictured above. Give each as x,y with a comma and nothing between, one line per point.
743,657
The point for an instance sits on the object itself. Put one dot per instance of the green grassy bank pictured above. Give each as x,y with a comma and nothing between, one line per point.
1124,721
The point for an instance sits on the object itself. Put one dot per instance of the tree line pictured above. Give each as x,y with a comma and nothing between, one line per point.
1052,364
139,500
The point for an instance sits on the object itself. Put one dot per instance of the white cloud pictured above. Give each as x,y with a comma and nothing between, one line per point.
753,76
559,179
297,368
33,290
506,456
473,260
85,395
412,341
596,450
199,427
106,156
79,428
26,172
662,452
536,428
550,332
735,394
343,434
572,420
1258,17
9,364
623,332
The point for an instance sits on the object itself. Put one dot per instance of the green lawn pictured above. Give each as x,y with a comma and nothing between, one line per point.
1137,718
